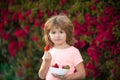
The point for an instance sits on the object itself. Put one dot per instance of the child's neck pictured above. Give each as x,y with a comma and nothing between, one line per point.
62,46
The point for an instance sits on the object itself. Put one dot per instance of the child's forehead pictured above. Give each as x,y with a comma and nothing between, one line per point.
56,28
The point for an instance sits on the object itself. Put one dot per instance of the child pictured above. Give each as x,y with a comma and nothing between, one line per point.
59,35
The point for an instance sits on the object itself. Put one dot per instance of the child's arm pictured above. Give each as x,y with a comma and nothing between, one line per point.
45,65
80,73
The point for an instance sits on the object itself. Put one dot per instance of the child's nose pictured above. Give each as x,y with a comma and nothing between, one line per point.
57,35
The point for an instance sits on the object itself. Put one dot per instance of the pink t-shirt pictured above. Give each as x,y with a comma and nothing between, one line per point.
69,56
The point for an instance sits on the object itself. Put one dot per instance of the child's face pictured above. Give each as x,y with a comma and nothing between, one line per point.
57,36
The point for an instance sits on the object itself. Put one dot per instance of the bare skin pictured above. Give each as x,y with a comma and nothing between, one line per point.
45,65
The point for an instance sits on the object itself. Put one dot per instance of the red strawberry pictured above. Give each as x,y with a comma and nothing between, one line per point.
75,71
55,65
47,47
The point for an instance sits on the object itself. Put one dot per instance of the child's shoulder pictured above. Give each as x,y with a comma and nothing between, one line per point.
73,49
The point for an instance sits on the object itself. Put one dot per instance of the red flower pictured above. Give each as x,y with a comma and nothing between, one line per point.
80,44
11,2
5,22
94,53
29,12
109,11
88,17
20,33
1,27
20,44
42,25
21,17
15,17
93,7
49,13
79,29
36,23
35,38
114,71
26,29
20,72
31,20
97,1
64,12
40,14
62,2
91,70
100,38
90,65
5,36
12,48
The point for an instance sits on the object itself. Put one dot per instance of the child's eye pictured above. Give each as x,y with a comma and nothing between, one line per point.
61,31
53,32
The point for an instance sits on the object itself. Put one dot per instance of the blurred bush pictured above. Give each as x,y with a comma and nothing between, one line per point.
97,31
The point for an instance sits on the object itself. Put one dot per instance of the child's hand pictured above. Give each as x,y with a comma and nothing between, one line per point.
61,77
47,57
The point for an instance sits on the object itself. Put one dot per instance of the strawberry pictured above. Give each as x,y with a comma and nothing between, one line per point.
66,67
75,71
55,65
47,47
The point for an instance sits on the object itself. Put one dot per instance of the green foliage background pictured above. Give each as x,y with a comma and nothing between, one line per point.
26,62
